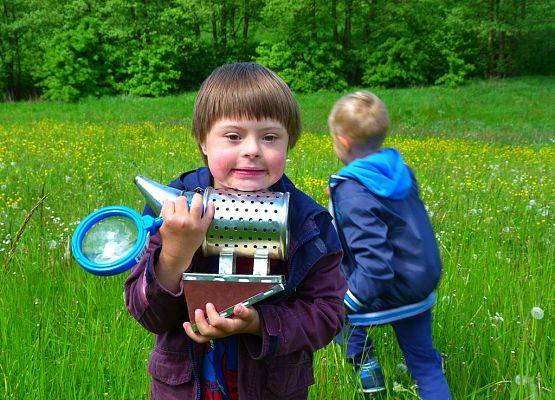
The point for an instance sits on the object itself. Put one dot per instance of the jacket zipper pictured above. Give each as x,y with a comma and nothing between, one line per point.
195,370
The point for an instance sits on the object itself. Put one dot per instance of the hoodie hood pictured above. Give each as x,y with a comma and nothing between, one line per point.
384,173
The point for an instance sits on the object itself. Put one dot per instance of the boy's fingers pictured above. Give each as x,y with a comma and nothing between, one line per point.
181,205
193,335
196,206
202,324
168,208
216,320
242,312
208,216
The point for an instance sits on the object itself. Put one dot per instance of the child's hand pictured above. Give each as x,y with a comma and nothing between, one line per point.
183,230
243,320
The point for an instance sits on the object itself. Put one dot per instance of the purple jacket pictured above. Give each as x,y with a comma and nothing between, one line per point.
295,323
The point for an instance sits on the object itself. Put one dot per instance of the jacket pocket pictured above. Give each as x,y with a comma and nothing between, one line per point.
170,367
288,376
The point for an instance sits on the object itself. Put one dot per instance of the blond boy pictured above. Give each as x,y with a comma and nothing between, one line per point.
391,260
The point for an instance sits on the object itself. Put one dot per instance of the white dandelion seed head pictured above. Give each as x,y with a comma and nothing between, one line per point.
532,203
53,244
537,312
522,380
401,368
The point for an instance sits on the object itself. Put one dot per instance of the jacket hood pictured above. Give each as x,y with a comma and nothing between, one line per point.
383,173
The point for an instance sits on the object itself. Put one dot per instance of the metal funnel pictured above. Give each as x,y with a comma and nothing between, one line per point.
155,193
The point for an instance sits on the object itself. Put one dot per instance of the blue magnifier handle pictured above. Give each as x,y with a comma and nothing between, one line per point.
152,224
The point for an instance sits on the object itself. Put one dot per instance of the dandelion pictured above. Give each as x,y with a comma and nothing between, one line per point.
401,368
37,301
532,203
497,317
52,244
537,313
523,380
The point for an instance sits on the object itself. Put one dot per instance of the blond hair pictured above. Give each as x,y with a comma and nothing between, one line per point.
361,116
245,91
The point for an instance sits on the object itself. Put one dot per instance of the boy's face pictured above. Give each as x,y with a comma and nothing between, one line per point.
246,154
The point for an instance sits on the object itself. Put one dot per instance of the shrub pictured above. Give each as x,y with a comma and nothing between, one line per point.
305,68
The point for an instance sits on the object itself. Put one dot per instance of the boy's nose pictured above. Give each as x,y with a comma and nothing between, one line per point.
251,147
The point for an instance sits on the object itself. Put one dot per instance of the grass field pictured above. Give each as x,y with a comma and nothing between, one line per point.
483,154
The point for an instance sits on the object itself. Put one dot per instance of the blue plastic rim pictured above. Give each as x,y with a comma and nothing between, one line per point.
145,225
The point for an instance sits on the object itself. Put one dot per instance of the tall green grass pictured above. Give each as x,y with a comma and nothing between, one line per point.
66,334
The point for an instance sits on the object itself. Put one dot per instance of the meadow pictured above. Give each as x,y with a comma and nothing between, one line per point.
483,154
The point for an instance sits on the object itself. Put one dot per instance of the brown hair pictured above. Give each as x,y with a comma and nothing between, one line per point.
361,116
245,91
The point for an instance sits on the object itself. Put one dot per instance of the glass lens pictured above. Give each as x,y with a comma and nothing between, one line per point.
110,239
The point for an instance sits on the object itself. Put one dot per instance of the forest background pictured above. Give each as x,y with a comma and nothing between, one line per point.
70,49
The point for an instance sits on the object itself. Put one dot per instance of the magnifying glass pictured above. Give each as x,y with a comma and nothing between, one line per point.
113,239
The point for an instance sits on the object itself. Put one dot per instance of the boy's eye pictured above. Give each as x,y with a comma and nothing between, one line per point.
233,136
269,138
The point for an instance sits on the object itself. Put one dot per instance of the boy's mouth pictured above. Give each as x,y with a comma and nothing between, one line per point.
248,172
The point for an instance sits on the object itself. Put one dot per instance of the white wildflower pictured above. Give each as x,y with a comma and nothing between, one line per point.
401,368
537,313
497,317
523,380
52,244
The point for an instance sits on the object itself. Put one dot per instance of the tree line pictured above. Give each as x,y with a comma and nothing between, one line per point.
69,49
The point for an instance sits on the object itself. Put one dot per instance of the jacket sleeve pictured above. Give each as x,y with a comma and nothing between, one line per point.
152,305
366,236
308,319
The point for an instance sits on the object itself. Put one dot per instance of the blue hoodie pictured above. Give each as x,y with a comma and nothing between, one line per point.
391,259
383,173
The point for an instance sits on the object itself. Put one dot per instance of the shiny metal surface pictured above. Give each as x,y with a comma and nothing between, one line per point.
247,222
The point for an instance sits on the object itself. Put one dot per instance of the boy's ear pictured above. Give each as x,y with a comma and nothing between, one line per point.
344,141
203,148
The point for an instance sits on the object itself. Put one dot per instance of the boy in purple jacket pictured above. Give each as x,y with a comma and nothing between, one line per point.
245,120
391,260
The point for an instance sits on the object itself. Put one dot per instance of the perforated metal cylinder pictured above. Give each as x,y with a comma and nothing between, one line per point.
248,223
